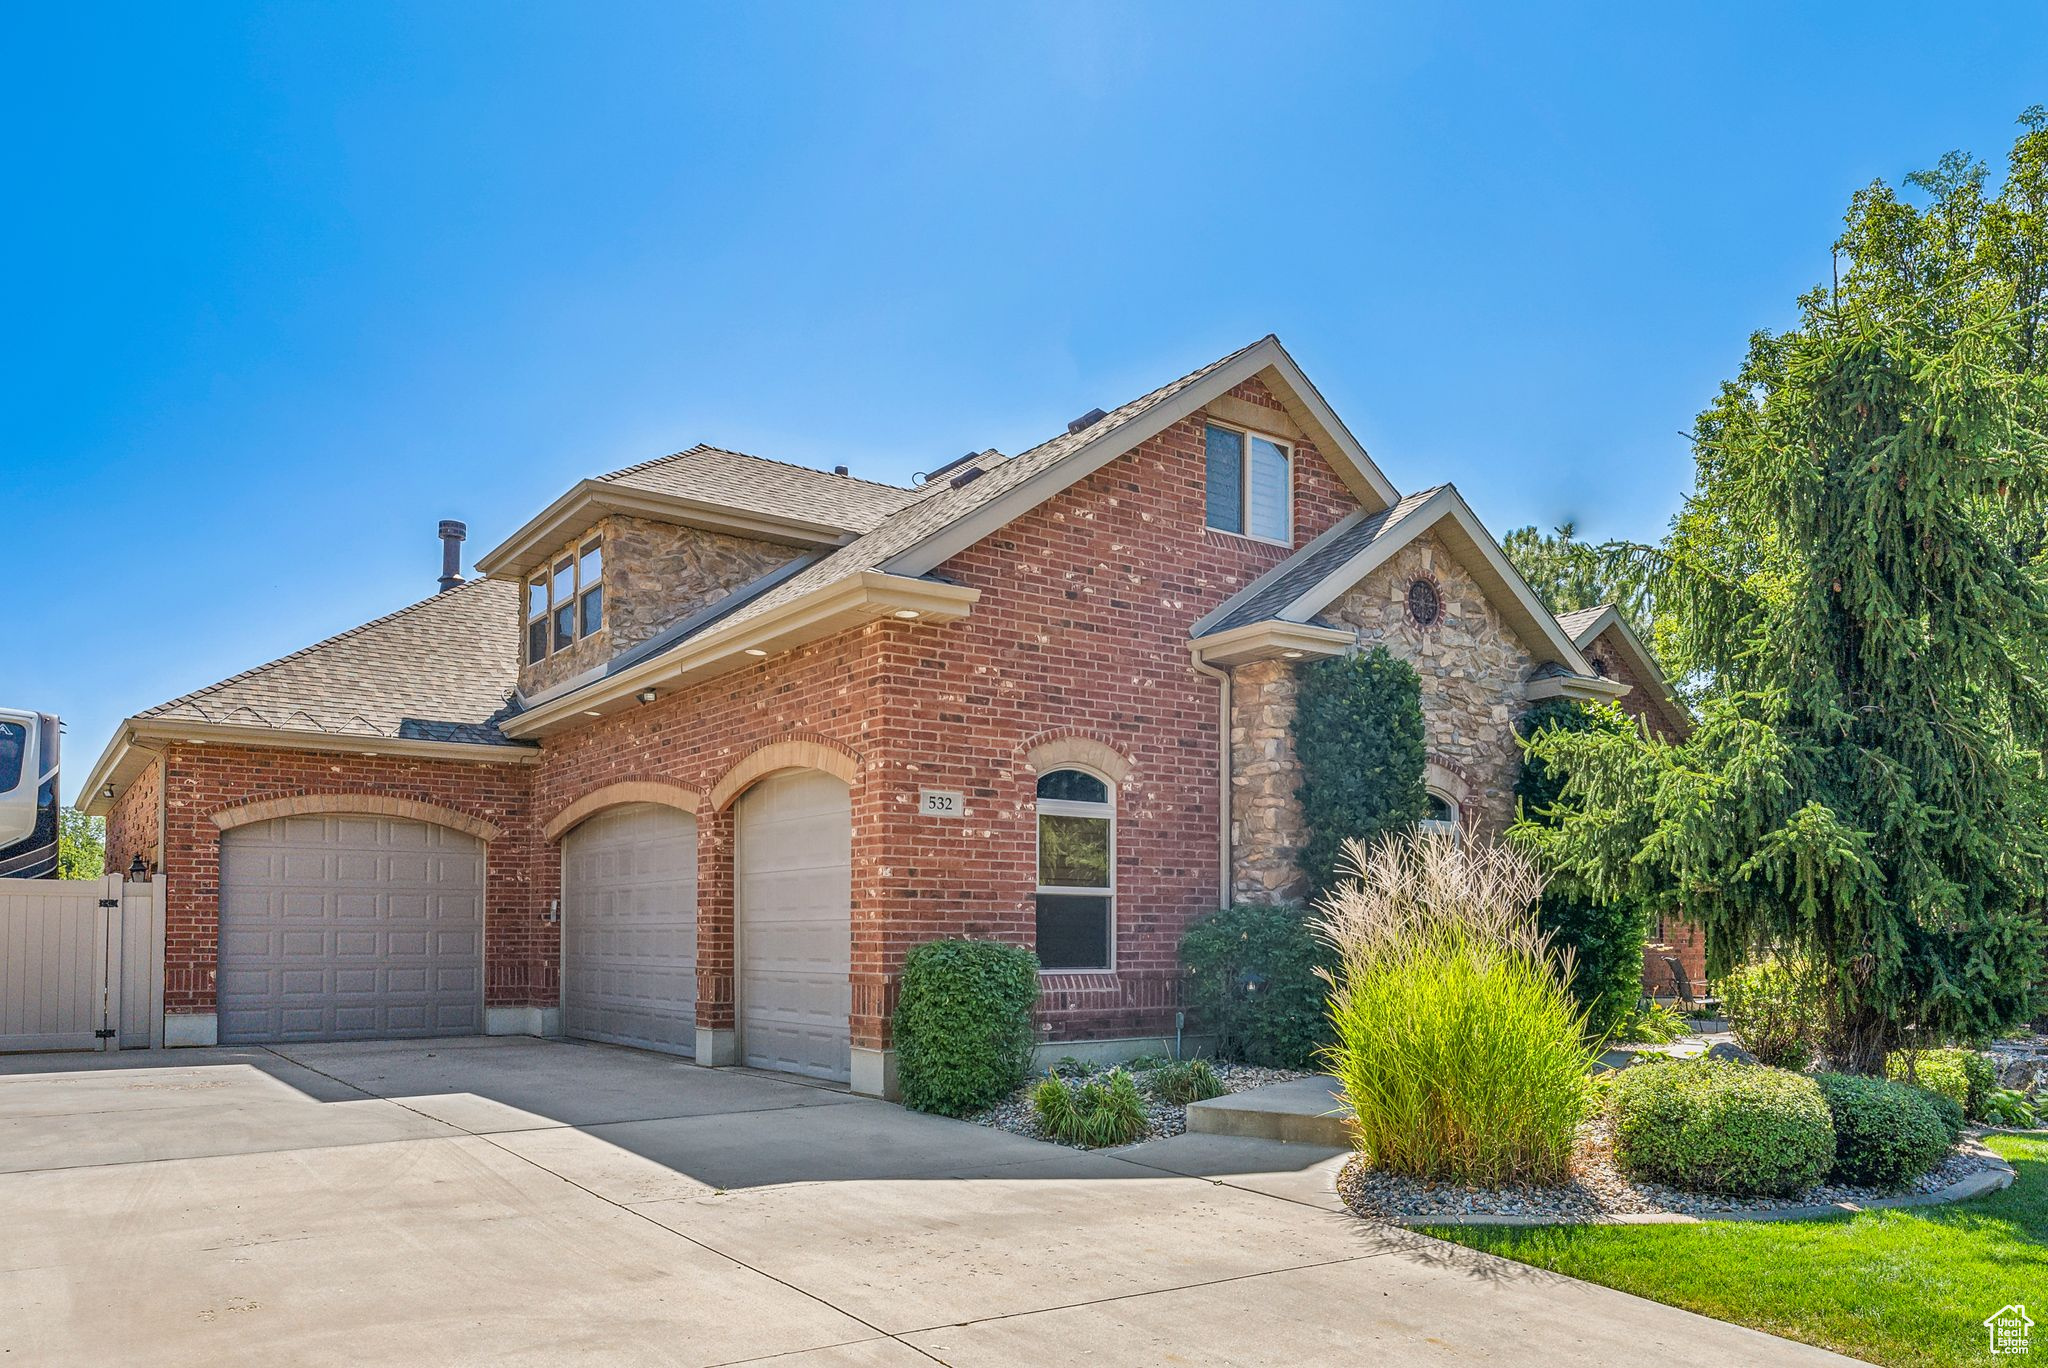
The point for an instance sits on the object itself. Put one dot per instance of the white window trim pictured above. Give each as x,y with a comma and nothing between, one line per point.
1455,825
1244,483
575,551
1067,807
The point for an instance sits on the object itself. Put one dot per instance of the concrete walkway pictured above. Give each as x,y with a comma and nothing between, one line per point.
527,1202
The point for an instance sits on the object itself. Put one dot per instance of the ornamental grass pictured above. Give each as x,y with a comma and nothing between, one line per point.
1461,1049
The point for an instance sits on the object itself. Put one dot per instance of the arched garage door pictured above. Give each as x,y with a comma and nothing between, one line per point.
343,927
793,881
629,928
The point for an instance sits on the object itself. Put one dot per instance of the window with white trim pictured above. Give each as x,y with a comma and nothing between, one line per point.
565,601
1076,871
1443,814
1249,487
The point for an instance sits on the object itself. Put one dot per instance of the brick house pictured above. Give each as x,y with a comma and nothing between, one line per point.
715,740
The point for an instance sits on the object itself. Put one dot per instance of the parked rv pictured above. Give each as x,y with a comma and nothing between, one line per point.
28,795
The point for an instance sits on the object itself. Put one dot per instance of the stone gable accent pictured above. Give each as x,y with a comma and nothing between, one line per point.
1473,670
655,575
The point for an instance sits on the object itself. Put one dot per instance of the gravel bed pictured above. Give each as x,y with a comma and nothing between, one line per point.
1599,1190
1015,1115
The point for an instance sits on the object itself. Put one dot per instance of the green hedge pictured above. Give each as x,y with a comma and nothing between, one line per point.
1360,742
1886,1134
963,1024
1774,1009
1252,983
1710,1126
1965,1077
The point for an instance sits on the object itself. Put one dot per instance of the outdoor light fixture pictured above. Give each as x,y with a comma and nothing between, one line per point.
755,651
1290,655
906,613
645,695
108,791
137,870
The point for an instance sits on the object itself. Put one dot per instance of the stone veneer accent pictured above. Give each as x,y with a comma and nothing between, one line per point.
1473,670
655,574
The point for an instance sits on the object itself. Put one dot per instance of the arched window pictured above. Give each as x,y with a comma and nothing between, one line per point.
1443,814
1076,871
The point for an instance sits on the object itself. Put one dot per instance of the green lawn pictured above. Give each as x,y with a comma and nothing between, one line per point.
1894,1287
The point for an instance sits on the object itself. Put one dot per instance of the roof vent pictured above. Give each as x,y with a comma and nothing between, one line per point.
840,470
452,533
1086,421
967,476
954,464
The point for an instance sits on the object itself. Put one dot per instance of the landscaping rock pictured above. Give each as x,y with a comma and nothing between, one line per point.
1016,1115
2022,1063
1600,1191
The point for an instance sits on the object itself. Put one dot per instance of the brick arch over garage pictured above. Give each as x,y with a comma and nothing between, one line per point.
360,804
616,795
823,756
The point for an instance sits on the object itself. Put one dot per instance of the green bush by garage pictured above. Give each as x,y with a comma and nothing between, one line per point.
1252,984
963,1024
1711,1126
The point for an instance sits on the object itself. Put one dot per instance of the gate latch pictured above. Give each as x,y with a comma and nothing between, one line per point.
104,1035
110,902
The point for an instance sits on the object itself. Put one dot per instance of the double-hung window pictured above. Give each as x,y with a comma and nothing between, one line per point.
1076,871
1249,488
565,602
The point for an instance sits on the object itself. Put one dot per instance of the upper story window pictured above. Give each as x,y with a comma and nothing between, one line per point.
565,602
1076,860
1250,487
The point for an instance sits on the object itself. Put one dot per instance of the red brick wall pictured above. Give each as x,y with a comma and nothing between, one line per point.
203,780
1081,630
132,824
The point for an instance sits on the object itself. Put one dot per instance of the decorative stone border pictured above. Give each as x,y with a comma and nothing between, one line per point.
782,755
2000,1175
614,795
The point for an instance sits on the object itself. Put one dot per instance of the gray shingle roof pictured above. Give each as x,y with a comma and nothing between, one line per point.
733,479
939,505
1269,595
439,670
1578,620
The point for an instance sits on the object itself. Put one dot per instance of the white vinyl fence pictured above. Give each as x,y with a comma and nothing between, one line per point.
81,964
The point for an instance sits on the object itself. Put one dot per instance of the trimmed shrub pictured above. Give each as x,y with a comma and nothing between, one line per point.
963,1024
1965,1077
1252,982
1103,1110
1774,1009
1462,1053
1711,1126
1190,1080
1359,738
1606,937
1886,1134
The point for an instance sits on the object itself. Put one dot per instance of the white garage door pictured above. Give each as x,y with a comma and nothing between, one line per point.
793,885
629,928
350,928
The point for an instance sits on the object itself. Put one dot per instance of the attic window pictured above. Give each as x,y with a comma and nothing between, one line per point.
1249,487
565,602
1425,604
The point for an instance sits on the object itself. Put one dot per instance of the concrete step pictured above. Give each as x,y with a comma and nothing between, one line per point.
1302,1111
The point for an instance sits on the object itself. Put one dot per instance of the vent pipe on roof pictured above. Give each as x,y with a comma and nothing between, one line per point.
840,470
1086,421
452,533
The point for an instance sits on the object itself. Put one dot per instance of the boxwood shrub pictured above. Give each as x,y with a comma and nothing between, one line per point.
963,1024
1886,1134
1252,982
1965,1077
1711,1126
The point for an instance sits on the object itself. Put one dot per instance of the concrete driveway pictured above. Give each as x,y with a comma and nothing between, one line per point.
521,1201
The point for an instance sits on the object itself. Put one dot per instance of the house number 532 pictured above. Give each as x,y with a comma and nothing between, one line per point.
939,803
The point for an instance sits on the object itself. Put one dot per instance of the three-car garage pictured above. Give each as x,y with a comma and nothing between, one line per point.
354,926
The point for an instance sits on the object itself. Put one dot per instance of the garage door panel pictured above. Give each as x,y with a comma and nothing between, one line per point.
344,927
629,928
794,895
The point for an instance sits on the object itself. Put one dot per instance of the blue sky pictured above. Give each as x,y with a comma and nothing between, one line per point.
288,284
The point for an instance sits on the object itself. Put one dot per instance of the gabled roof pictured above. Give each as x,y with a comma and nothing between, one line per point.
1587,625
1308,582
774,488
943,518
439,670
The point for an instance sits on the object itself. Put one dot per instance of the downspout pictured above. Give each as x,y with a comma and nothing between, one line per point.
1222,678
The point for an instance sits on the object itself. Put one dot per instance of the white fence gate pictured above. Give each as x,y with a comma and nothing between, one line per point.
81,964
